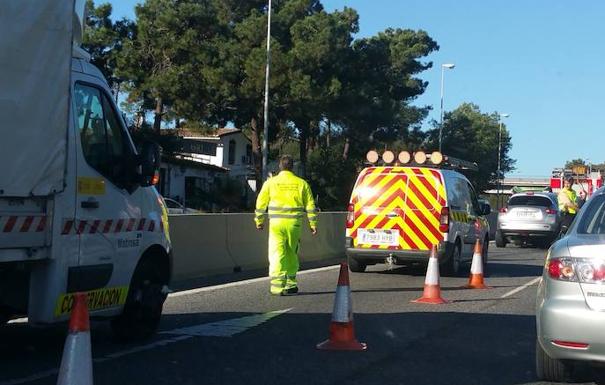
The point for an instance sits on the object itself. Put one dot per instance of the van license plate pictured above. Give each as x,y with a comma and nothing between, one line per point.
378,237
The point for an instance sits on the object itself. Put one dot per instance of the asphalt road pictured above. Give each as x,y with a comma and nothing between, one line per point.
237,333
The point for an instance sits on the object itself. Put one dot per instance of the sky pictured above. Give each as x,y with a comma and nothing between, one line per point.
541,61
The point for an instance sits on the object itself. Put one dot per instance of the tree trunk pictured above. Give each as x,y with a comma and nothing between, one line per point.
256,153
157,120
345,152
328,133
303,140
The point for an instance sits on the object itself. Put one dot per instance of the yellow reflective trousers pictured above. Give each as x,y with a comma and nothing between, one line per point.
286,198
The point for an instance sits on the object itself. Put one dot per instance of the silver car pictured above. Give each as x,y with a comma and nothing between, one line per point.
570,305
529,218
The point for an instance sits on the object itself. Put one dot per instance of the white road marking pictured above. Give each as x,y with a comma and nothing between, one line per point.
226,328
528,284
242,283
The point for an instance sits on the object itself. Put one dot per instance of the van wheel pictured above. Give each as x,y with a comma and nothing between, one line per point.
355,266
452,266
500,241
549,369
141,315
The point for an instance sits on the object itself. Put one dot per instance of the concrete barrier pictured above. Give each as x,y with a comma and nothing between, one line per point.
211,244
200,246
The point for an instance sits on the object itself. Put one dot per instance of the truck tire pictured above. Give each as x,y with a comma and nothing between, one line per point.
500,240
141,315
454,262
550,369
355,266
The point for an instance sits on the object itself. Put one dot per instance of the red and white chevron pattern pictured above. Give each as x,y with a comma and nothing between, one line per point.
22,224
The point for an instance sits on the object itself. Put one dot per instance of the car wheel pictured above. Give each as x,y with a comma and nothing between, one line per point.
355,266
141,315
550,369
500,241
452,266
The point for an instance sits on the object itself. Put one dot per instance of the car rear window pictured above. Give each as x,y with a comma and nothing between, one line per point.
530,200
593,220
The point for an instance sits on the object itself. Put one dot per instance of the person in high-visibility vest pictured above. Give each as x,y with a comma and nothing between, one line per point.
285,198
568,203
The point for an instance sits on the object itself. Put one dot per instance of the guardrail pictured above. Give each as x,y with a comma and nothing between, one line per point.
210,244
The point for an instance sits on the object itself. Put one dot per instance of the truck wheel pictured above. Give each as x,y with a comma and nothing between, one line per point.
141,315
549,369
454,262
355,266
500,241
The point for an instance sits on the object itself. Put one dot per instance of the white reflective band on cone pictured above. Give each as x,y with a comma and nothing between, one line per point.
76,364
432,273
477,266
342,305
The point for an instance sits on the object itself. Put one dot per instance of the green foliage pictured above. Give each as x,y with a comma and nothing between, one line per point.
203,62
104,39
472,135
331,177
575,162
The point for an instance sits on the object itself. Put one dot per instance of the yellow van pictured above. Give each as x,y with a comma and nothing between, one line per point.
397,213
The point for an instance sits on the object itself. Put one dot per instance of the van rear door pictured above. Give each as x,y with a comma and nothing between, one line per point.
398,208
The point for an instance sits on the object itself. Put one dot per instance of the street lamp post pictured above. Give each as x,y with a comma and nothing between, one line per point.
499,181
265,148
443,67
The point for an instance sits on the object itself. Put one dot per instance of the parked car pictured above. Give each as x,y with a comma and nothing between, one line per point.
529,218
175,207
570,303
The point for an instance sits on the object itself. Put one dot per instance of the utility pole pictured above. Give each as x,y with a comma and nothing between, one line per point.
265,148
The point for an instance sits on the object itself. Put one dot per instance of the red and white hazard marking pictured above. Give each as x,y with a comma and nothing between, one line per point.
107,226
22,224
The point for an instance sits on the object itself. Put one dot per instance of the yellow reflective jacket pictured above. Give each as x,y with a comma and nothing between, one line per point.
567,195
285,196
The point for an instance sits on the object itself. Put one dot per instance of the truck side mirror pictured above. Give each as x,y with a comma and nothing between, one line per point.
150,157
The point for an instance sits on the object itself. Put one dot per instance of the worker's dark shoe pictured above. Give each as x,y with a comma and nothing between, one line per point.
290,291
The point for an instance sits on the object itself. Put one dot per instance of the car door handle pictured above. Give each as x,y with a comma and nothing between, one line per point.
90,204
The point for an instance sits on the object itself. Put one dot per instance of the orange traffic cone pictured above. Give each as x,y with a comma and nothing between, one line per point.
475,279
342,335
76,364
432,290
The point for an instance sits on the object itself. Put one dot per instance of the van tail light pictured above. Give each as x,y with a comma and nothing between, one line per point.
551,211
350,216
585,270
444,220
503,210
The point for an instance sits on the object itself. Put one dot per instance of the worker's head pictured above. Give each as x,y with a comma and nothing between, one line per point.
568,182
286,163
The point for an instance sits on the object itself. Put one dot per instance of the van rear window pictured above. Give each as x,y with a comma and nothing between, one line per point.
530,200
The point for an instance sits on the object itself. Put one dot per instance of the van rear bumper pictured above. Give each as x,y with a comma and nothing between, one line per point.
444,250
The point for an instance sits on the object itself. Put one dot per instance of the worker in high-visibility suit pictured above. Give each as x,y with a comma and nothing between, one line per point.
285,198
568,203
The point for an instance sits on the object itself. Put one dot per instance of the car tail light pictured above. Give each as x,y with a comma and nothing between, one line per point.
551,211
350,216
571,344
585,270
444,220
503,210
561,269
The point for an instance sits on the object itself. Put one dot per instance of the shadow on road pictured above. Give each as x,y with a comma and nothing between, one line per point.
403,348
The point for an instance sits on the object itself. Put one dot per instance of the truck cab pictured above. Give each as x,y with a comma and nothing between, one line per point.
78,208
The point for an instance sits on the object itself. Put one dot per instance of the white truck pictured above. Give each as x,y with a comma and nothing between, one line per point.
78,209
